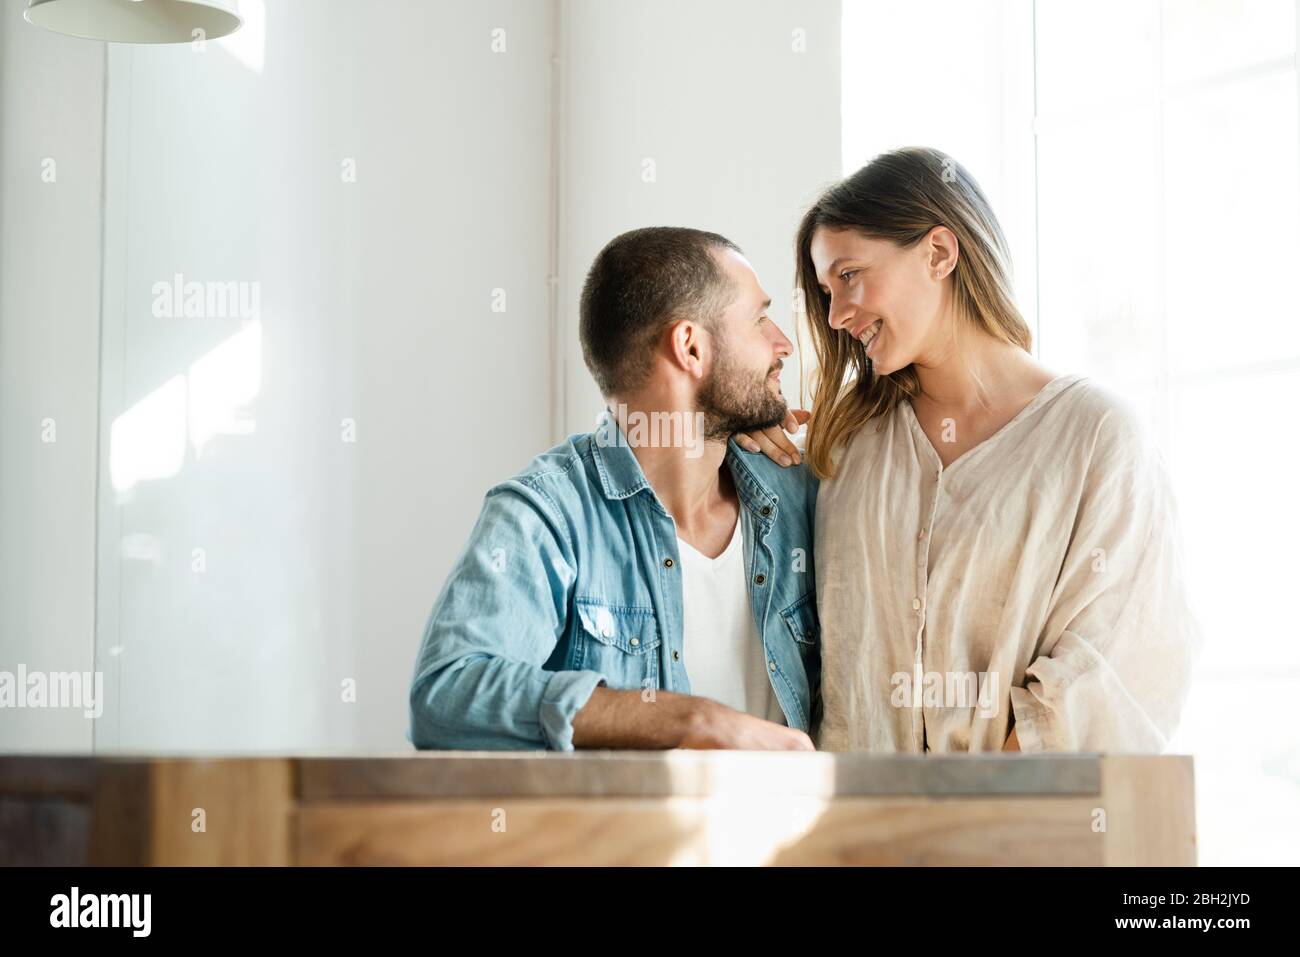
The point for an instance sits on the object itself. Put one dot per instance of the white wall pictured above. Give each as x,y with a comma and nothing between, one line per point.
51,111
250,560
321,557
742,128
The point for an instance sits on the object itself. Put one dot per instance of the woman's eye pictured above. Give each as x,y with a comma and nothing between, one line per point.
847,274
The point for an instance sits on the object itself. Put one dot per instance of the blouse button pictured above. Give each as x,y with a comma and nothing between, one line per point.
635,642
916,603
759,579
676,655
668,563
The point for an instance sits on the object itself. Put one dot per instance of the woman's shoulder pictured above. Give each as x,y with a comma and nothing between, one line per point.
1100,413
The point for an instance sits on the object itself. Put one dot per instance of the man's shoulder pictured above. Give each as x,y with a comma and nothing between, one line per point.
563,467
787,482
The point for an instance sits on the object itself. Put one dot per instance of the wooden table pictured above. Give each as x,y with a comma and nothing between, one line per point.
599,807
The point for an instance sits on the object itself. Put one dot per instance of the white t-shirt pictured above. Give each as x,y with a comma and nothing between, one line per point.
724,653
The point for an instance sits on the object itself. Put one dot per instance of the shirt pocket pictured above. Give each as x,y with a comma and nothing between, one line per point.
620,641
802,622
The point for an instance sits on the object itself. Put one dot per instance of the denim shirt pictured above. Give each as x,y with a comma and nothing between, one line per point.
571,579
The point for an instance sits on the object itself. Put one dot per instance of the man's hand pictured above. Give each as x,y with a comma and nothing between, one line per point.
715,725
665,719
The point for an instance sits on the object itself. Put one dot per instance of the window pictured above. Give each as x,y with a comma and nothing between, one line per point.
1158,219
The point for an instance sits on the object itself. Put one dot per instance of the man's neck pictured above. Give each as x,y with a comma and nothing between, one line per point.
684,469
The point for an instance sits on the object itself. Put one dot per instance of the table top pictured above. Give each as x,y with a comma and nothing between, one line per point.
432,774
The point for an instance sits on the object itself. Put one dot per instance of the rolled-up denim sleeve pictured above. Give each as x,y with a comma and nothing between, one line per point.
479,681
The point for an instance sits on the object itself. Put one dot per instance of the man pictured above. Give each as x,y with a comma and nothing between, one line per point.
648,585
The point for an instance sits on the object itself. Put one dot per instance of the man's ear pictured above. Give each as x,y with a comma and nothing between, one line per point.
942,248
688,344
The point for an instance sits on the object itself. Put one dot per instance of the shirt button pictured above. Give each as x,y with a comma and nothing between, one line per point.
765,511
759,579
635,642
771,666
916,603
676,655
668,563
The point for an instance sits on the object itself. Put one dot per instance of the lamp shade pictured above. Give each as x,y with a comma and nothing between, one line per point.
135,21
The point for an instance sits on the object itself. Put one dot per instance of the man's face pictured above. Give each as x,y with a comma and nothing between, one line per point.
742,391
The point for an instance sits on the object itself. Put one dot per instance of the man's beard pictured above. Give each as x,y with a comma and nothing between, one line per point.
738,400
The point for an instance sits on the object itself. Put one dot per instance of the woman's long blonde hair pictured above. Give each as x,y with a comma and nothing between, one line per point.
899,196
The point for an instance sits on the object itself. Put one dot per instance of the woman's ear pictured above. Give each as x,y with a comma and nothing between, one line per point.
941,245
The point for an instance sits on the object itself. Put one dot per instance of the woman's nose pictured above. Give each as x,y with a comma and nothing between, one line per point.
840,314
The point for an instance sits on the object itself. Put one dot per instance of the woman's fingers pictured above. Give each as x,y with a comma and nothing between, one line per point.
762,442
776,435
771,449
773,442
794,419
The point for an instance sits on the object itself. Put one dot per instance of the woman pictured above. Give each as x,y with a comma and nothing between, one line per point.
996,544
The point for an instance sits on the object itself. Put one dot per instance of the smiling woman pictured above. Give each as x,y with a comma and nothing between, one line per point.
883,243
982,514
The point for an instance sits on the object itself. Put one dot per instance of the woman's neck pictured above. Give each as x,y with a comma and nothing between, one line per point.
973,370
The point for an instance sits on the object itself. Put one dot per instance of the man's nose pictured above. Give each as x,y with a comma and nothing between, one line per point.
782,347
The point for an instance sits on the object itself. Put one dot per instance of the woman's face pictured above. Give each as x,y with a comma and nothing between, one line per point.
889,297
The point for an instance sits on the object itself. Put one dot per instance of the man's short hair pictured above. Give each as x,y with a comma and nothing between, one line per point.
641,283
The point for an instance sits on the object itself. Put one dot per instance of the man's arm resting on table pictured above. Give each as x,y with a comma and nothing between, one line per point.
479,679
651,719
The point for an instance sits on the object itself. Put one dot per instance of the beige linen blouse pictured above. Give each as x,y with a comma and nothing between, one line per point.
1039,572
